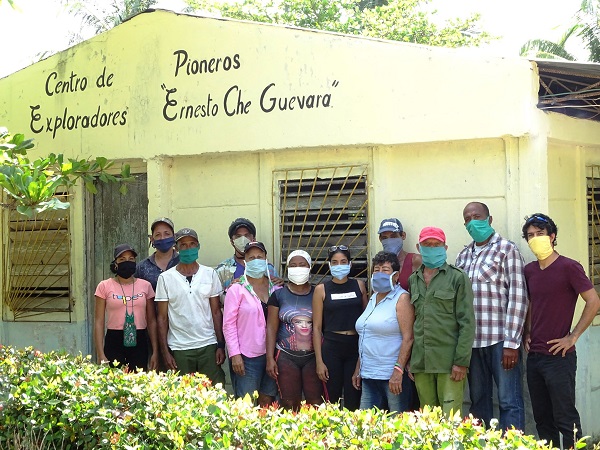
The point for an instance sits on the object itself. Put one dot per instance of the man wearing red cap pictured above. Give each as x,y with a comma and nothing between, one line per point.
444,326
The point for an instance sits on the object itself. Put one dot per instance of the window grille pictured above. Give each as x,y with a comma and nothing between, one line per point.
593,203
36,265
319,208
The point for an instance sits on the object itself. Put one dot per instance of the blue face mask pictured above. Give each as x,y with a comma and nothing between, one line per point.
480,230
340,271
382,282
164,245
433,257
257,268
189,255
393,245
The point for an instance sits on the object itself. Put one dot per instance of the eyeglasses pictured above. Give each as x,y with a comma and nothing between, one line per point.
533,218
335,248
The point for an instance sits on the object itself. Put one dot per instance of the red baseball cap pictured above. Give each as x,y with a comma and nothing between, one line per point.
432,233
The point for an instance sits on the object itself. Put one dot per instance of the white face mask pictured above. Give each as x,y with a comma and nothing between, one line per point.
298,275
240,243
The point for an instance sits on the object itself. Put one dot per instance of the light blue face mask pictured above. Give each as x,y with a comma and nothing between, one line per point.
382,282
480,230
433,257
256,268
393,245
340,271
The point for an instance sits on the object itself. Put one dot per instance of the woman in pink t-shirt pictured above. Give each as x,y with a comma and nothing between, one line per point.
125,307
245,326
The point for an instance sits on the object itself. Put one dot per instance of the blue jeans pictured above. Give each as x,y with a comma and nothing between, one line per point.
485,369
255,378
377,394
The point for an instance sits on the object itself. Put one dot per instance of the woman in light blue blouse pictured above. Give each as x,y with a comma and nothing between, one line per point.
385,331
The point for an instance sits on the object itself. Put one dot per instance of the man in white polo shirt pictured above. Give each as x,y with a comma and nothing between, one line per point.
190,321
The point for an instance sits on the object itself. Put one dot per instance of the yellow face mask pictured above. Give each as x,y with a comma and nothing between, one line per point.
541,247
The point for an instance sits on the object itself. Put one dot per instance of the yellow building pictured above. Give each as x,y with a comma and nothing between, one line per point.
314,136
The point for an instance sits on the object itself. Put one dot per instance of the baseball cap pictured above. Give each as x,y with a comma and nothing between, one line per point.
392,224
162,220
122,248
432,233
239,223
185,232
255,244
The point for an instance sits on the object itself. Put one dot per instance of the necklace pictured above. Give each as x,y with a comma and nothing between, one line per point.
124,296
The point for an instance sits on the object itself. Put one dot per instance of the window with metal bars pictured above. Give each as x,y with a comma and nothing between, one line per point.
320,208
593,203
36,263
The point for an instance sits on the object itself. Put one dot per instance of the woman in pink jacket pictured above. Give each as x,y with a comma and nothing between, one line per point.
245,324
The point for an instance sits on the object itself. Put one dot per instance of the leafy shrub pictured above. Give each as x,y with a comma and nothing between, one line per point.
58,401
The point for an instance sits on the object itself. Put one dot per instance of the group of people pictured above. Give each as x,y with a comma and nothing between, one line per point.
428,328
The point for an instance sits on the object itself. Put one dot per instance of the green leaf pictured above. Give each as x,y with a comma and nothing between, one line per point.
89,185
25,210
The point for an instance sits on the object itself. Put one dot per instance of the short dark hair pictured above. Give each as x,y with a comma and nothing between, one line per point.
541,221
383,257
483,205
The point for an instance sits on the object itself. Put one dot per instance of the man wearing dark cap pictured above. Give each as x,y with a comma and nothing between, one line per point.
444,326
241,232
162,238
190,321
392,236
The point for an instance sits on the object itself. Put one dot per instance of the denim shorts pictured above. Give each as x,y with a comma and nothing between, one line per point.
255,379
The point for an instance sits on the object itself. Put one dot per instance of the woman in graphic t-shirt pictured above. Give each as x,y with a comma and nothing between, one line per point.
290,353
118,297
337,304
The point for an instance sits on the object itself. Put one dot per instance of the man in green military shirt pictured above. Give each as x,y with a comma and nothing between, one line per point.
444,326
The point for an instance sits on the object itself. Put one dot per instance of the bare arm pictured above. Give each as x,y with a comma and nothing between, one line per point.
365,295
151,325
592,303
317,314
163,329
99,311
405,314
272,326
527,330
217,316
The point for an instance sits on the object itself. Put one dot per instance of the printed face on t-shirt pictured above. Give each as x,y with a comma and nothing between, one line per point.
302,325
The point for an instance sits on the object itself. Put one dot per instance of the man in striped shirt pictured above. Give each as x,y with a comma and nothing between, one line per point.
495,267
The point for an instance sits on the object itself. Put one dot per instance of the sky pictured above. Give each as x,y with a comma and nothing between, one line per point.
41,27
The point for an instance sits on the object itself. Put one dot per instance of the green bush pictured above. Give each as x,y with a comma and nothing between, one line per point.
58,401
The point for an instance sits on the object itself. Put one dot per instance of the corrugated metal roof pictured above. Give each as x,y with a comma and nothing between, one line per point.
570,88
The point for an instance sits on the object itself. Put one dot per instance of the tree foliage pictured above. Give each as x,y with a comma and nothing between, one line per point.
30,185
102,16
585,25
399,20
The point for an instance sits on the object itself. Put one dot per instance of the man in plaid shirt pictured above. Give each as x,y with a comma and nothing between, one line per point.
495,267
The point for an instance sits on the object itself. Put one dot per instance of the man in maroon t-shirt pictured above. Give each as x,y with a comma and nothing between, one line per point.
554,283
